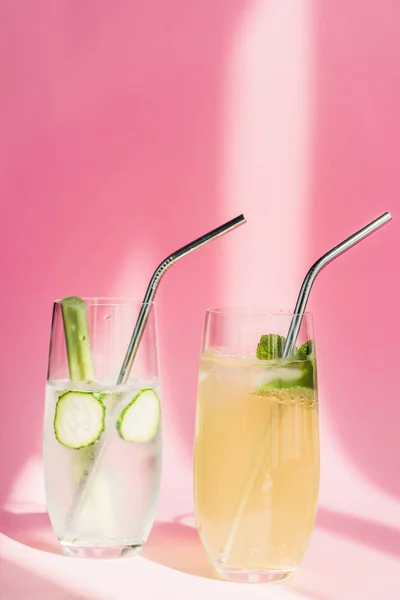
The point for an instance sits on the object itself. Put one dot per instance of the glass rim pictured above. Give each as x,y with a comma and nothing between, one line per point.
254,311
109,301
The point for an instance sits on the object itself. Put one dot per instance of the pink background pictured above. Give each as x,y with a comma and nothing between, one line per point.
130,128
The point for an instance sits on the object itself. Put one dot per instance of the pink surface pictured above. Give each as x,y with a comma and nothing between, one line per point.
129,129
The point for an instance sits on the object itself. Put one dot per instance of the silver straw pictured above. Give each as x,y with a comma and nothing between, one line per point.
309,279
140,325
288,349
153,285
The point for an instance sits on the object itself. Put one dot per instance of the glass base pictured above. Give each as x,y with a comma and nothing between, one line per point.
253,576
100,551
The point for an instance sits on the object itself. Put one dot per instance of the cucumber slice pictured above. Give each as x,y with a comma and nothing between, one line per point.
77,339
79,420
140,419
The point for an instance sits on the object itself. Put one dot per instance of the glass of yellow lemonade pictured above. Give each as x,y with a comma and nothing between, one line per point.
256,464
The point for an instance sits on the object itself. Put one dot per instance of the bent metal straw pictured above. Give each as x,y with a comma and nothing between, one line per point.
153,285
140,325
317,268
288,349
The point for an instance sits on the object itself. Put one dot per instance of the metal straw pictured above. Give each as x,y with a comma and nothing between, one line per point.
317,267
288,349
140,325
153,285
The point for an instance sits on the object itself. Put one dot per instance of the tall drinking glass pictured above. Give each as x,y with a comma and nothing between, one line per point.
102,442
256,471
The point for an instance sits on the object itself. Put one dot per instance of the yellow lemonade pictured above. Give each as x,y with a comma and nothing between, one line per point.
256,462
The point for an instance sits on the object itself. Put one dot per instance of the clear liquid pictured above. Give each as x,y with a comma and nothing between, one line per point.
256,467
104,495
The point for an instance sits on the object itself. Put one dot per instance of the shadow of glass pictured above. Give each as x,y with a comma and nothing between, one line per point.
17,583
172,544
308,593
30,529
178,547
375,535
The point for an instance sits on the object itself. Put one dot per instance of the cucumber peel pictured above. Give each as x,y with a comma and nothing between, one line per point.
139,420
79,419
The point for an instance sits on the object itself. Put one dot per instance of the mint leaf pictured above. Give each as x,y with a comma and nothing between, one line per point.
270,346
305,350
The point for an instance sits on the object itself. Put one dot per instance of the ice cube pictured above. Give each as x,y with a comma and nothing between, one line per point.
109,379
262,376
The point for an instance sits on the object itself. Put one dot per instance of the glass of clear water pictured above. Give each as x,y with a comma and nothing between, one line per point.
102,441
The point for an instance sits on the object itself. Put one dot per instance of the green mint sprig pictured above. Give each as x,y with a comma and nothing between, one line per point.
305,350
271,346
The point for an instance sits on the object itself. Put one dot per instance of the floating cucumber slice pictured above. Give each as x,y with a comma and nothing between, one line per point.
79,420
77,339
139,420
